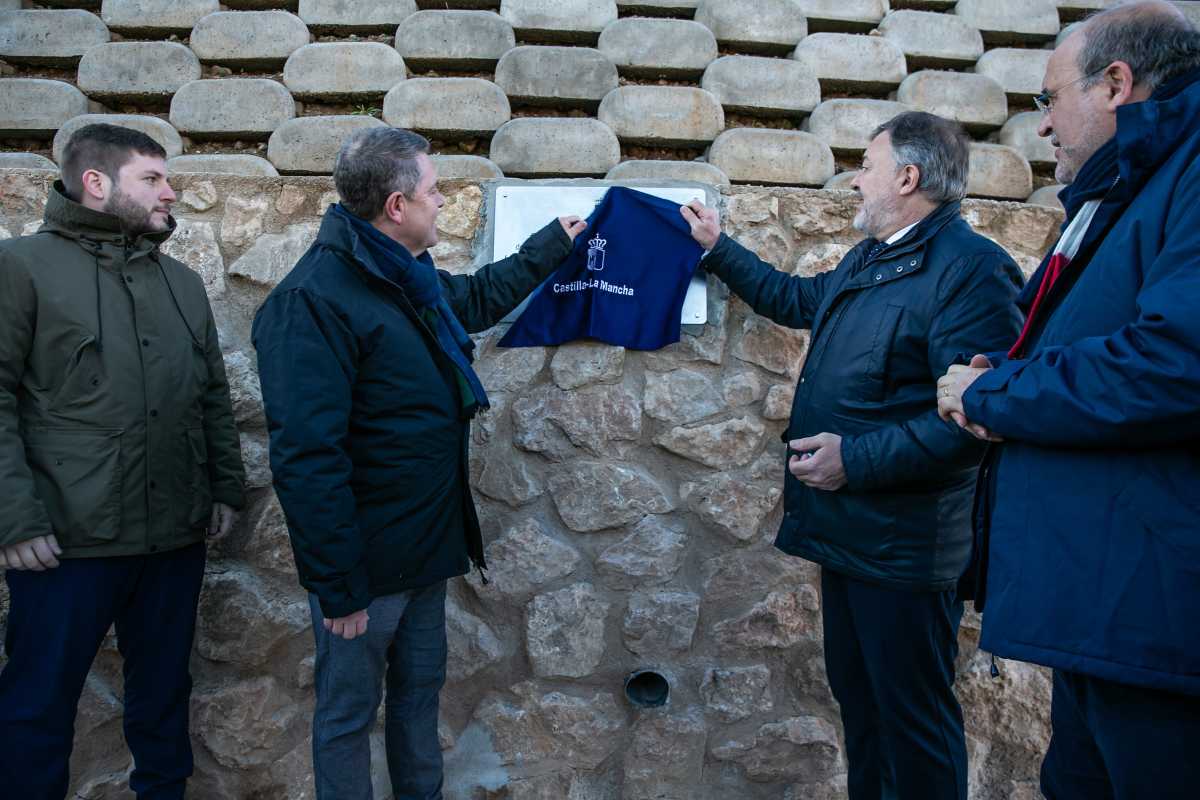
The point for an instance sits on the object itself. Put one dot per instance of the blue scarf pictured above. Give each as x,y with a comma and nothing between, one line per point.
418,279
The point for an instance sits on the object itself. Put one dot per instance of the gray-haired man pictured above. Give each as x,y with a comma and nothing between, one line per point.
878,488
366,375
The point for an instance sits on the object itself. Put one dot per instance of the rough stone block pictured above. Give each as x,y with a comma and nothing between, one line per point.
345,16
697,171
765,26
36,107
137,70
56,37
1012,21
843,15
849,62
931,40
157,129
537,147
26,161
231,107
310,144
677,48
248,38
846,125
764,86
447,106
1018,70
154,17
1021,134
223,164
556,76
975,101
998,171
467,168
758,155
1047,196
454,39
662,115
329,70
559,20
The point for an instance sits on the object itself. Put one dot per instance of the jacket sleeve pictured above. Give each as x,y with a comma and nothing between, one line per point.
789,300
226,473
24,515
307,362
482,299
976,313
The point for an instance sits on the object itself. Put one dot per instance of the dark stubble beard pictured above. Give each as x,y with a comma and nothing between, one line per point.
135,220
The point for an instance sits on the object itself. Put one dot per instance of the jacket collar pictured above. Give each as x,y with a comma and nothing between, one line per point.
337,233
910,246
1150,131
92,228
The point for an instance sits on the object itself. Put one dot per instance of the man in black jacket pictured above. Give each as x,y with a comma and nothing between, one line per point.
365,364
877,487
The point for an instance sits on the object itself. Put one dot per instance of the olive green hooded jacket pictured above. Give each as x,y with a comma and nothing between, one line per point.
116,430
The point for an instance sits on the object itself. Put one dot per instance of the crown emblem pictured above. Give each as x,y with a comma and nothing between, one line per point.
597,243
595,254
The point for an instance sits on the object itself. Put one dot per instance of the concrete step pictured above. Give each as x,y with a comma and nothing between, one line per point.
157,129
231,108
1020,133
223,164
975,101
35,107
857,16
764,156
461,40
155,17
349,70
258,39
310,144
467,168
754,26
697,171
447,107
999,172
562,77
845,124
1011,21
1018,70
757,85
558,21
841,182
26,161
658,8
659,48
133,71
931,40
851,62
360,16
1047,196
57,37
543,147
671,116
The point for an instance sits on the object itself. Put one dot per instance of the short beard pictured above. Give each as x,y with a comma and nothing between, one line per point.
135,220
871,217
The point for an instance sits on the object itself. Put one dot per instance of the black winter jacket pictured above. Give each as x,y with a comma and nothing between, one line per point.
368,447
884,329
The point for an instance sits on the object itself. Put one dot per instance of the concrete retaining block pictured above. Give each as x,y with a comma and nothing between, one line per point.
645,46
930,40
760,155
157,129
1011,21
849,62
26,161
559,20
136,70
310,144
556,76
1020,133
841,182
347,16
454,39
1018,70
536,147
975,101
764,86
755,26
467,168
249,108
56,37
223,164
697,171
329,70
155,17
248,38
1047,196
666,115
447,106
846,124
998,171
36,107
843,15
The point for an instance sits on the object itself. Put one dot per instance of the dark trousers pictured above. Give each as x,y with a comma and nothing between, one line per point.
890,656
1115,742
57,620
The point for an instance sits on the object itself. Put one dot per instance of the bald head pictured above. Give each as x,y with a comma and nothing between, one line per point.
1152,37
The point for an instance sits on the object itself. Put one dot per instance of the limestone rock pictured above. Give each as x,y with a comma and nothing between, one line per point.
782,620
231,107
650,555
734,442
697,171
773,347
195,244
256,457
509,369
240,621
268,546
822,258
759,85
742,389
583,363
556,76
36,107
245,390
57,37
222,164
510,480
248,38
198,196
244,218
765,26
734,693
273,255
472,645
851,62
681,396
597,418
733,504
246,724
931,40
523,561
534,147
311,144
447,106
157,129
663,48
660,622
757,155
665,755
778,405
564,631
332,70
450,39
800,747
155,17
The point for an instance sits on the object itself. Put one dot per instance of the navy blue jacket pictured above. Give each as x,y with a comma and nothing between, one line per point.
1089,513
884,329
368,445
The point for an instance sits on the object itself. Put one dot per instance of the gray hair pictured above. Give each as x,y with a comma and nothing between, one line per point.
1158,45
939,149
375,163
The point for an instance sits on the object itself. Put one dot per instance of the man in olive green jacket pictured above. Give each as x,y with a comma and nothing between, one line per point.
118,453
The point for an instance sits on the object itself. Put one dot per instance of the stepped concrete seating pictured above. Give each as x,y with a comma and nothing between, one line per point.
850,62
671,116
924,5
659,48
343,70
697,171
1073,10
540,147
842,15
468,168
1018,70
447,108
55,37
556,21
310,144
765,156
975,101
931,40
223,164
261,39
754,26
357,16
841,182
35,108
155,17
558,77
26,161
761,86
231,108
1047,196
464,40
1190,9
845,124
998,171
659,8
157,129
1011,21
136,71
459,5
10,5
1020,133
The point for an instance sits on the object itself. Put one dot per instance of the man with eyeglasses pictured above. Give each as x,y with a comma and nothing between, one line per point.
1088,506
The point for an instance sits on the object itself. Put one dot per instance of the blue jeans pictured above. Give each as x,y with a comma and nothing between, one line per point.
404,647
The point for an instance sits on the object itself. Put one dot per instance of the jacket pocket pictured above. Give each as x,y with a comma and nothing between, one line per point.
82,379
77,476
199,488
874,378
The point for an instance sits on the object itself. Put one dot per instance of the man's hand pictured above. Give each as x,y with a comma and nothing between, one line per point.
705,223
819,465
950,390
349,626
38,554
222,520
572,226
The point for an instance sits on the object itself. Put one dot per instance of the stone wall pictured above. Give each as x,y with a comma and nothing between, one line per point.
629,500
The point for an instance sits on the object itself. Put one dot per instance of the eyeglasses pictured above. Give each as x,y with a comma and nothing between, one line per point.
1045,100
